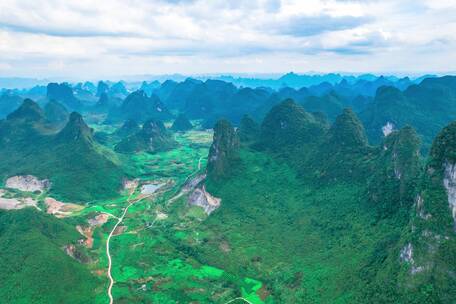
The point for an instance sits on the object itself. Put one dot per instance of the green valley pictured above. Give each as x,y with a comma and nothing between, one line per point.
282,204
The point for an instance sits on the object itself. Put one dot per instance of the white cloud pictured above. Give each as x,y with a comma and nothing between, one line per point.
108,38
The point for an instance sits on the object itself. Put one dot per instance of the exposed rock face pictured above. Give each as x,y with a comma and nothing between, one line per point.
130,185
191,184
387,129
449,181
27,183
224,150
200,197
432,237
443,159
406,256
392,186
420,208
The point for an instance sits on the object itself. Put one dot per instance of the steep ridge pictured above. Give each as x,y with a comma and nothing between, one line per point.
290,131
8,103
140,107
63,93
392,187
224,150
427,107
55,112
181,123
129,127
77,167
153,137
249,130
342,204
429,246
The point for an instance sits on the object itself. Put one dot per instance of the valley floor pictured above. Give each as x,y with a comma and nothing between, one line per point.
274,239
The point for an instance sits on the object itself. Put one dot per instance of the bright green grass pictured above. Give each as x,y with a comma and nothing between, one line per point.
153,264
158,264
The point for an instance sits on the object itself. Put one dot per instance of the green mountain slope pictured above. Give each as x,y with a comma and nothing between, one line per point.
55,112
129,127
428,254
181,123
224,150
153,137
427,107
8,103
140,107
35,268
78,168
290,131
248,130
332,223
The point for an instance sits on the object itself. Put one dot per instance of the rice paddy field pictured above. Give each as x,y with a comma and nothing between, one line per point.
151,249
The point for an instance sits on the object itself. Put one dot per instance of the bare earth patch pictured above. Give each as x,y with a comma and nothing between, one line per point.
87,232
263,292
161,216
99,220
200,197
119,230
28,183
59,209
70,250
16,203
224,246
130,185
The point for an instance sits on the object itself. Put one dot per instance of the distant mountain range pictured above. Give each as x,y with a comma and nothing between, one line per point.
426,103
274,81
342,190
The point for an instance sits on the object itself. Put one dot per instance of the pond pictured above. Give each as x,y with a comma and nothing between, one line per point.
150,188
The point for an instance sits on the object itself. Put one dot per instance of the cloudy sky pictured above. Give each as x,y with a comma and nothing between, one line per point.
106,39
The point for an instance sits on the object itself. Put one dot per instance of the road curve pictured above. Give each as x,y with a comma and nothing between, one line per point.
108,254
120,219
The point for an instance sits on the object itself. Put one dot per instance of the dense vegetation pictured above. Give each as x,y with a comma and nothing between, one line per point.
322,212
78,168
152,137
328,193
35,268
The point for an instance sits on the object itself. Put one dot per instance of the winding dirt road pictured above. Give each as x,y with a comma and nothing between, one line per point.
108,254
120,219
239,299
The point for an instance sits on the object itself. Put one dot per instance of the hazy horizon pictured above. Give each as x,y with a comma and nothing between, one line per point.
115,39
